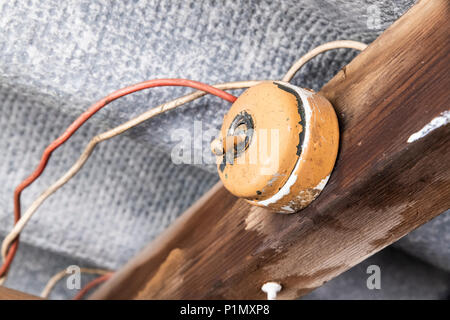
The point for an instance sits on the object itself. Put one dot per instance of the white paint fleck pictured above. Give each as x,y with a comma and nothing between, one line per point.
322,183
437,122
286,188
287,208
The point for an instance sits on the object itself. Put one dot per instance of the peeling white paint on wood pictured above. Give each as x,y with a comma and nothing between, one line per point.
437,122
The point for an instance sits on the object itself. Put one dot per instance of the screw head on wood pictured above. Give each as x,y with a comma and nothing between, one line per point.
272,289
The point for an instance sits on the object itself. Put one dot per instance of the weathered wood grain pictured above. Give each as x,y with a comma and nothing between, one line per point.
382,187
10,294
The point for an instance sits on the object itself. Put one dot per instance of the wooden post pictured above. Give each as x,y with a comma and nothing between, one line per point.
10,294
391,176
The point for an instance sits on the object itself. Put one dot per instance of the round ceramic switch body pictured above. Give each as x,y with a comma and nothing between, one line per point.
277,146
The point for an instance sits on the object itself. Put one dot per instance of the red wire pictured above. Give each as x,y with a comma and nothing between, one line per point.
79,122
91,285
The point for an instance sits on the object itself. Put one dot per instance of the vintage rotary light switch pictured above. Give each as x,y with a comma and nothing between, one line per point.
277,146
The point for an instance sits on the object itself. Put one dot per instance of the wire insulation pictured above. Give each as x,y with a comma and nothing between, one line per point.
92,285
63,273
9,256
18,227
339,44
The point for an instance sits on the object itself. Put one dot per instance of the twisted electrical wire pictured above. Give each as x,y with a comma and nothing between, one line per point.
18,227
11,251
80,295
9,245
63,273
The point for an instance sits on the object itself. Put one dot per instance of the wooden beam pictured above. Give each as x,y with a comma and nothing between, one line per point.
10,294
382,188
